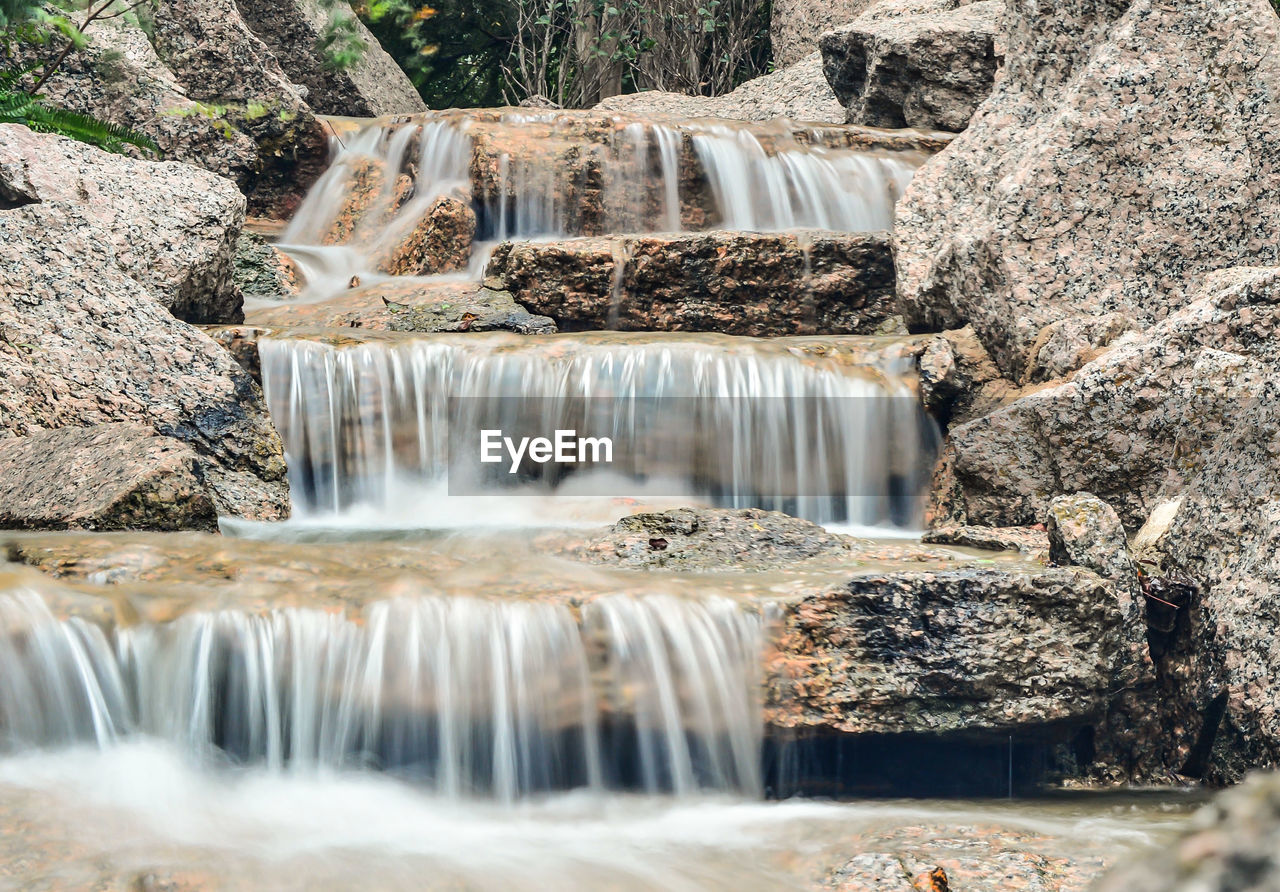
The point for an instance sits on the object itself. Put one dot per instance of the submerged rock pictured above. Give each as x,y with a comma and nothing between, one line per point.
709,538
915,63
170,227
973,857
728,282
474,309
1106,173
106,477
421,305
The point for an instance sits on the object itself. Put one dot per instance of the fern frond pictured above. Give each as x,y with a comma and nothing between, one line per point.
19,108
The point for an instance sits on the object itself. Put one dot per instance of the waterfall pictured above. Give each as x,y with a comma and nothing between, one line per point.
370,199
469,696
564,175
736,422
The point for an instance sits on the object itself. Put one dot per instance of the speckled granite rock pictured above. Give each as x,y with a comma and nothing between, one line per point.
915,63
1085,531
440,243
118,77
1225,536
972,651
371,87
207,91
106,477
1068,344
796,25
1138,419
1106,173
958,380
728,282
81,343
799,91
1233,845
262,270
222,65
171,227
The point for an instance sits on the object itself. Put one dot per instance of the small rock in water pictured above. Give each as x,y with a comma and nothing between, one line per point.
709,538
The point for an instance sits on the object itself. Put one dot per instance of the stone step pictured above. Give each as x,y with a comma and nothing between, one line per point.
740,283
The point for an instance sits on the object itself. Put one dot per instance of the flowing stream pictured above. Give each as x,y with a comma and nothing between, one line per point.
406,686
638,177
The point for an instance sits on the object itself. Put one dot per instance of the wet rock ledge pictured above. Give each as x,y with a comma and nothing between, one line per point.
760,285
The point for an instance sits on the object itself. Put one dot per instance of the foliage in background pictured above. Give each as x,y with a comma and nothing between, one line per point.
30,30
452,50
571,52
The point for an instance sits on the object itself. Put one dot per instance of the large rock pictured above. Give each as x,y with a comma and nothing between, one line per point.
799,92
170,227
83,343
733,283
915,63
233,75
201,84
1107,172
796,25
1225,539
106,477
971,651
1178,429
119,78
1136,421
371,87
1233,844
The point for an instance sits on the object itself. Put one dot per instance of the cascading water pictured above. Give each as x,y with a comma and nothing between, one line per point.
540,176
370,425
468,696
